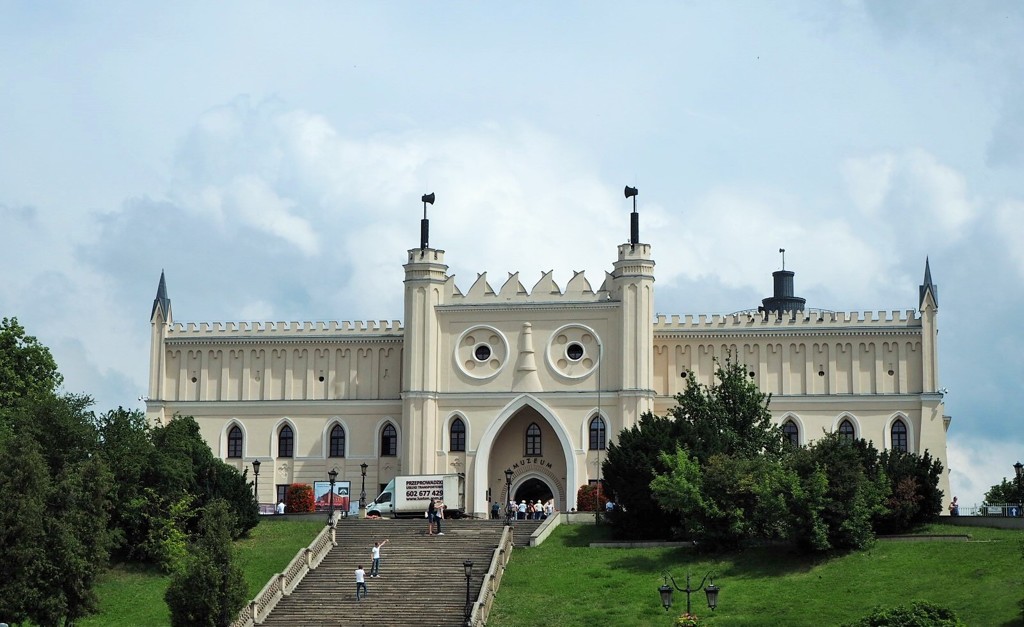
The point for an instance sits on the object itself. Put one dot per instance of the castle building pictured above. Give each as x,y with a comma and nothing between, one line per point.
537,381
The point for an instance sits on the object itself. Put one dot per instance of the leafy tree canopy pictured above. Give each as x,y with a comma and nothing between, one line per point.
26,367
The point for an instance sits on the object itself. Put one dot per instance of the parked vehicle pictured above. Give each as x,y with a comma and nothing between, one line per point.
410,496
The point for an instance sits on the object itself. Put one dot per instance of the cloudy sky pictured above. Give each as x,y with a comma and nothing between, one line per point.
270,158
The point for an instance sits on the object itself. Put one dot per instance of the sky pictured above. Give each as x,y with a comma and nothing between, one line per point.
270,158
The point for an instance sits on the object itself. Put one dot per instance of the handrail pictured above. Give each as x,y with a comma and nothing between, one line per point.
282,584
492,579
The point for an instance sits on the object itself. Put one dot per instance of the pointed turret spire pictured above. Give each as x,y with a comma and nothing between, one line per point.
161,301
927,286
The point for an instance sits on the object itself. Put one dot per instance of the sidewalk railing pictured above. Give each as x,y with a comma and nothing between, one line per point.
282,584
492,580
998,510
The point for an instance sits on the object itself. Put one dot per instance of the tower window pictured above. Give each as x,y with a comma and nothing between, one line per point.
533,439
235,442
457,435
791,432
597,434
285,442
337,441
846,431
899,436
389,441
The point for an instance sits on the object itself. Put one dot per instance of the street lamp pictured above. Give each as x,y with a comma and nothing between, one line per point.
362,492
665,590
1019,469
468,565
508,502
330,515
256,482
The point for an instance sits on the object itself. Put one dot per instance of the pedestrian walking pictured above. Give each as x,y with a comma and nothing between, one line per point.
361,582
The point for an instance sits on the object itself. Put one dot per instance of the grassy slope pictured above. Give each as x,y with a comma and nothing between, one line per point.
564,583
133,596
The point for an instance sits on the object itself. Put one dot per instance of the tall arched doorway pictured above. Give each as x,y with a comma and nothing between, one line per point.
533,490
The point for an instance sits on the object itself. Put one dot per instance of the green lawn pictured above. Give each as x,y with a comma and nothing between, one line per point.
133,596
563,582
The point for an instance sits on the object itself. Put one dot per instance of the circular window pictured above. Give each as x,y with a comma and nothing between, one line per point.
482,352
574,351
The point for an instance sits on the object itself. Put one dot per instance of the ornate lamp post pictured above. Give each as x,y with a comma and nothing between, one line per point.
665,590
509,516
1019,469
256,482
468,565
362,491
333,475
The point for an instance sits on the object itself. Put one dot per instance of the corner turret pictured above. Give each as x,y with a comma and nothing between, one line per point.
928,289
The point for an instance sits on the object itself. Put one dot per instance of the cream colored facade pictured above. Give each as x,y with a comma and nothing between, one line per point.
510,361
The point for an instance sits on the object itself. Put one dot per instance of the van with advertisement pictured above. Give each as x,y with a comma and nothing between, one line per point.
409,496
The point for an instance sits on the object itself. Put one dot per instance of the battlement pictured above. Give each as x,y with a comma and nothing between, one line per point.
578,289
803,320
291,329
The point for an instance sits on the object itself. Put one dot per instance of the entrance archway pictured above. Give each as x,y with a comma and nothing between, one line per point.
533,490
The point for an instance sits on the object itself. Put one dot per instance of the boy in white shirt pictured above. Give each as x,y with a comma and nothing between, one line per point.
375,555
360,581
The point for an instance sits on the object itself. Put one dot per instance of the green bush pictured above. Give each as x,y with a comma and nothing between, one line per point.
918,614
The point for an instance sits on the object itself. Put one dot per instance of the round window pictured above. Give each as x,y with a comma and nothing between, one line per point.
574,351
482,352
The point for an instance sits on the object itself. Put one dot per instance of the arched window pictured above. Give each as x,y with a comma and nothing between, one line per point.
791,432
846,432
285,442
899,436
235,442
337,441
457,435
597,441
533,439
389,441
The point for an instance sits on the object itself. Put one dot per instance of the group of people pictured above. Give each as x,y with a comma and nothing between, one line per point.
525,510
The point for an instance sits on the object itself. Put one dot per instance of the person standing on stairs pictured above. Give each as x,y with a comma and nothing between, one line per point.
375,554
360,581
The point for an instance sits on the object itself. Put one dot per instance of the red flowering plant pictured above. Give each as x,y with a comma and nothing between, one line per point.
300,497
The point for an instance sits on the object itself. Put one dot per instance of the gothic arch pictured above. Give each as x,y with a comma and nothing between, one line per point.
801,428
483,451
857,432
446,439
585,428
325,437
284,420
223,445
378,432
887,439
547,479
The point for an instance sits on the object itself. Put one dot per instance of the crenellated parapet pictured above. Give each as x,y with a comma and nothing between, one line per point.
545,290
331,329
801,321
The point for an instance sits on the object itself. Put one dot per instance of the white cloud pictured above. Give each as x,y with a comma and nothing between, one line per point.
977,463
1008,224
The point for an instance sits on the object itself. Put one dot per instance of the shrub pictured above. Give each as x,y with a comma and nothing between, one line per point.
300,498
918,614
688,620
587,498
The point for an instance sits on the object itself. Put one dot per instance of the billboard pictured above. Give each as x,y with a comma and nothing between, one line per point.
322,495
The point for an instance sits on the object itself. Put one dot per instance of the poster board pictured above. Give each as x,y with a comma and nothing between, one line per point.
322,495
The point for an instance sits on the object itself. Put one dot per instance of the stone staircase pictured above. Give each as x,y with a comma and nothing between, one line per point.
422,582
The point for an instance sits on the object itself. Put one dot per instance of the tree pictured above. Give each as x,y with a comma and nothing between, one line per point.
632,462
842,490
1005,491
300,498
26,367
914,494
729,417
210,589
